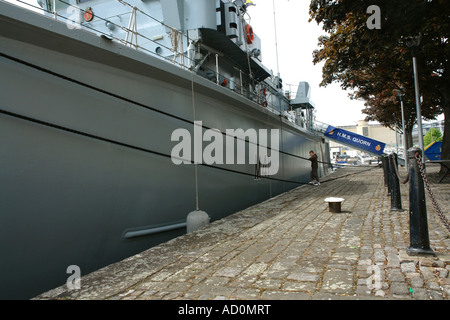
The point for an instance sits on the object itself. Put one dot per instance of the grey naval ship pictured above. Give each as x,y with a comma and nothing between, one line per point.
116,120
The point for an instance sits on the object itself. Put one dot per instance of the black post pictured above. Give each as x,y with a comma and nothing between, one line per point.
418,223
396,198
385,162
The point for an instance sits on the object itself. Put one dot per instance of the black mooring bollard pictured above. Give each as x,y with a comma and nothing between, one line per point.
418,223
396,198
387,173
385,169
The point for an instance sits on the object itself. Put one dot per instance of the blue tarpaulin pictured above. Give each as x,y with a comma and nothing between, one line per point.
433,150
355,139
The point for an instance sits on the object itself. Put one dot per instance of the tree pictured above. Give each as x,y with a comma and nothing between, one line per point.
373,63
433,134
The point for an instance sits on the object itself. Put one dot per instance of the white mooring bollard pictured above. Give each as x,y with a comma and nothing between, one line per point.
334,204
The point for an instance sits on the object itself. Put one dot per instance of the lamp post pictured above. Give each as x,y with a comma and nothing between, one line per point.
413,43
396,139
400,95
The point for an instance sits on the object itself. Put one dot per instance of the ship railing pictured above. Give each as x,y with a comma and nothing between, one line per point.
320,127
246,86
133,38
291,92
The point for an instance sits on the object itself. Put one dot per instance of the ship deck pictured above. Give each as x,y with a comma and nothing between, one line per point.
291,247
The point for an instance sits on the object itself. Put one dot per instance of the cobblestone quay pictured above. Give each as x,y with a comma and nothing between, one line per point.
291,247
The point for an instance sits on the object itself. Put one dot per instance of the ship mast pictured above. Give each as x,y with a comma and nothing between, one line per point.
276,42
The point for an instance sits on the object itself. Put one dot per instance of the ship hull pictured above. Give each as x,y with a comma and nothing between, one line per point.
85,136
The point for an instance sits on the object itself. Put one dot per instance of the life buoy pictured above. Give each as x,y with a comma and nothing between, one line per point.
250,35
224,82
264,102
88,14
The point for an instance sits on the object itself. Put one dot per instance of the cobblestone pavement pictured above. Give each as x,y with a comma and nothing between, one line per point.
291,247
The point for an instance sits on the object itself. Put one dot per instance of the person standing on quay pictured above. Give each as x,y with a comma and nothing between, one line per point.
314,168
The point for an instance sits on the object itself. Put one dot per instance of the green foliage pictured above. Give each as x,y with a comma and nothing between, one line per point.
433,134
373,63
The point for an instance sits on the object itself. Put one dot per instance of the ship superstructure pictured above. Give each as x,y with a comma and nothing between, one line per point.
212,38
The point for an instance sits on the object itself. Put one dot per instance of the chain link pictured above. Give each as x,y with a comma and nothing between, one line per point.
433,199
402,181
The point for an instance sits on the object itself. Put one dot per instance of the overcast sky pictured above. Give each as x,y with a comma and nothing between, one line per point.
297,39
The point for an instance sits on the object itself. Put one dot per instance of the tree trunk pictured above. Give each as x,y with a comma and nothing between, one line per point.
445,155
409,138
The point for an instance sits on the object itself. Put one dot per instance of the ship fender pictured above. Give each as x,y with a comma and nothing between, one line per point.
196,219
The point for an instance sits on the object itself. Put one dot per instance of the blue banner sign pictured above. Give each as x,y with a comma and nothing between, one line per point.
355,139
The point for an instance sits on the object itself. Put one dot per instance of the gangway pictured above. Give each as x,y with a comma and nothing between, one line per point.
349,139
352,140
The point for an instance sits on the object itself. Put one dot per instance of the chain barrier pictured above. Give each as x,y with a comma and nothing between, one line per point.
402,181
433,199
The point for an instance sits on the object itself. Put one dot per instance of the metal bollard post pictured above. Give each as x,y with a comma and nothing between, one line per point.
385,169
387,173
396,198
418,223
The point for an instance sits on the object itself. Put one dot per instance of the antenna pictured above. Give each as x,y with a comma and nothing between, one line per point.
276,42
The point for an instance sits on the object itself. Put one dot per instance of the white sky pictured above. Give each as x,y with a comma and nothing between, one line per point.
297,39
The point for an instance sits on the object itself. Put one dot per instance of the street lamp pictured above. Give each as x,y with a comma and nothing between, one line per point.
400,95
413,43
